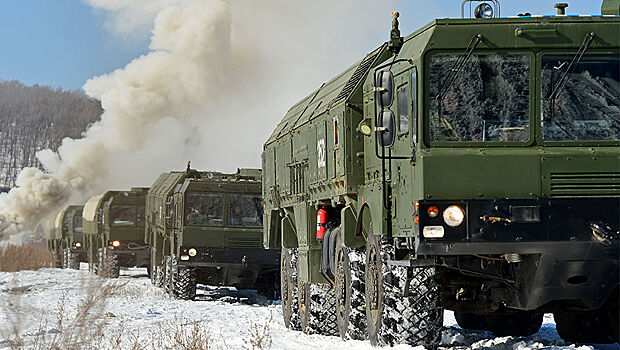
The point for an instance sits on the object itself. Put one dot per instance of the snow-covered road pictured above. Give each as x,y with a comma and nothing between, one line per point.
138,313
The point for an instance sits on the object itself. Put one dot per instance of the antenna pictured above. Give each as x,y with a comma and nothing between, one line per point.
396,41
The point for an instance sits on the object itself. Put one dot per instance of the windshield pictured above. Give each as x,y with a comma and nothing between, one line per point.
204,209
588,105
487,102
77,223
123,215
245,210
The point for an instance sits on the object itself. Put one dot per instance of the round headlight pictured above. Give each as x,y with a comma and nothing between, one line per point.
78,244
116,243
453,216
483,10
192,252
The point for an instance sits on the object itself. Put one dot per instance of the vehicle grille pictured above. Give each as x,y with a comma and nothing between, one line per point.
597,184
245,242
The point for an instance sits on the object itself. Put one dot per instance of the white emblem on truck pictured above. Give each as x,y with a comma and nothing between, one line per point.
320,153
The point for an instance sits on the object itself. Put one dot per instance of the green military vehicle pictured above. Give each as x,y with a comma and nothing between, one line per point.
473,165
206,227
114,231
66,239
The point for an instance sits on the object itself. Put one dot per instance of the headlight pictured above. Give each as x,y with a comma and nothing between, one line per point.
483,10
453,216
116,243
78,244
192,252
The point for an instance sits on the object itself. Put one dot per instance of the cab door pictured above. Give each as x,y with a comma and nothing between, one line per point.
403,150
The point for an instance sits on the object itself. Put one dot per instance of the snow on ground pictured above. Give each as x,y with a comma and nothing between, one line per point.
231,318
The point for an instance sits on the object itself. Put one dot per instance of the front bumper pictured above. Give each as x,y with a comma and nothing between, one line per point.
213,257
132,253
580,274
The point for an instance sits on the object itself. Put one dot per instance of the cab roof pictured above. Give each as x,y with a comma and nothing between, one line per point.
329,94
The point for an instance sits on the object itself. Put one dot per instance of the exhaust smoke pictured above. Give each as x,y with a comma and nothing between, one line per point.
218,77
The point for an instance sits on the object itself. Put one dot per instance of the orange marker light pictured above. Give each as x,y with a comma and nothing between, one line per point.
432,211
416,219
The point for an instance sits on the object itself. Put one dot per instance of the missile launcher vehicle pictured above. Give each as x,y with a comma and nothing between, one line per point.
66,239
206,227
473,165
114,230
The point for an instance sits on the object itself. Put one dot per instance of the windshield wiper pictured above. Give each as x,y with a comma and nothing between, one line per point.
454,73
458,67
555,92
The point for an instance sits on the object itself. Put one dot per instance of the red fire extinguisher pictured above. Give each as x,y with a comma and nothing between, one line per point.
321,223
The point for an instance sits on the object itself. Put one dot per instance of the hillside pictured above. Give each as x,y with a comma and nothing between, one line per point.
38,117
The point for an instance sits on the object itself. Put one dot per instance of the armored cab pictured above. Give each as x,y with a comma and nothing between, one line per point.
473,165
206,227
114,227
66,239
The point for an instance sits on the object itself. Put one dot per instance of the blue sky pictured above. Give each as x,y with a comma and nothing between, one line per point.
62,43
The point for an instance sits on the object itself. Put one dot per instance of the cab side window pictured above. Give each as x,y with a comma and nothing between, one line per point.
403,109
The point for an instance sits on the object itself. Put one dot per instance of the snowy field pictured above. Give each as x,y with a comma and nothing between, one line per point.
138,315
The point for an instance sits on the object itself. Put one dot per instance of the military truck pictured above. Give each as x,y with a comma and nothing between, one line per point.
206,227
65,240
473,165
114,231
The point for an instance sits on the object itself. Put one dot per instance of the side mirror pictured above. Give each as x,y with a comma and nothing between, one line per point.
386,126
384,89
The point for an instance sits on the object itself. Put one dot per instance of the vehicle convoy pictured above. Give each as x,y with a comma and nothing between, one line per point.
206,227
66,239
473,165
114,231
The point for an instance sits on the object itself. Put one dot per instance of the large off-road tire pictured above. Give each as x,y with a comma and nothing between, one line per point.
317,308
65,258
72,259
288,288
467,320
350,291
168,275
394,317
157,274
599,326
108,264
514,324
184,280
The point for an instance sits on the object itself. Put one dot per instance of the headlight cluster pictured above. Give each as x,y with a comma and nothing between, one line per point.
190,252
452,216
78,244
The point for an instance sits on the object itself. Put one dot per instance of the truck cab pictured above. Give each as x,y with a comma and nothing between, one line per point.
114,224
206,227
472,165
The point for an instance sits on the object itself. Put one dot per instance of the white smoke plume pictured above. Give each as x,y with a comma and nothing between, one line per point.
217,78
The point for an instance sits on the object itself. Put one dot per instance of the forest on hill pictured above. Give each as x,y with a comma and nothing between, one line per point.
37,117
